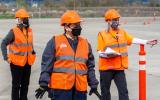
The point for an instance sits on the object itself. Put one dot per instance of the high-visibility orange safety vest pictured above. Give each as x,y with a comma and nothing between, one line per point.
70,67
21,50
118,41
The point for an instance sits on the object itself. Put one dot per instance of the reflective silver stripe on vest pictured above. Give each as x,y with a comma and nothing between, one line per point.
81,60
116,45
64,58
124,54
71,58
63,70
20,53
21,44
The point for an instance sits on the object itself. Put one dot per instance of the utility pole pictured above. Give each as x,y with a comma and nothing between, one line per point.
31,2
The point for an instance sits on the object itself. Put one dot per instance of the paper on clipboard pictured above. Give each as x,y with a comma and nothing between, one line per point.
108,51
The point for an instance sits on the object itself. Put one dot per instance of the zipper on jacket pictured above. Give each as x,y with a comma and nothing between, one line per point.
75,64
75,50
26,36
74,60
75,68
119,49
27,45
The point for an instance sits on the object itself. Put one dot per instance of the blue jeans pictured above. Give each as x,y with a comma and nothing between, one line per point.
69,95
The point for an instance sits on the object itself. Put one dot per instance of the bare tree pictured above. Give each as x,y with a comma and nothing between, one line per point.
20,3
48,3
153,3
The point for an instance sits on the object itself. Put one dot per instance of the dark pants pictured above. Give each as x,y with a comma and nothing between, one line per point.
69,95
120,81
20,81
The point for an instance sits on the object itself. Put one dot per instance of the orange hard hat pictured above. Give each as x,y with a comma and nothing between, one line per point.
70,17
21,13
111,14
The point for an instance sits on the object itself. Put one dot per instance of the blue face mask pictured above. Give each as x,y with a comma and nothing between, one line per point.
115,24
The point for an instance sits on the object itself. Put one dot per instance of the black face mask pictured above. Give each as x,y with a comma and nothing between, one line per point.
115,24
76,31
26,23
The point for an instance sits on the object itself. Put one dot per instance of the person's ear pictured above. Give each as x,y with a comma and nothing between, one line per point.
109,22
18,21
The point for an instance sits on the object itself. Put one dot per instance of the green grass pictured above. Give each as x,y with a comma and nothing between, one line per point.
6,16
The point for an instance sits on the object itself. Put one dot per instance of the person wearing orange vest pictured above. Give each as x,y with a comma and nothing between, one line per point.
21,54
113,55
67,66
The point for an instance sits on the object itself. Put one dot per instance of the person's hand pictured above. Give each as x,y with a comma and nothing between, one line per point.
41,91
152,42
8,60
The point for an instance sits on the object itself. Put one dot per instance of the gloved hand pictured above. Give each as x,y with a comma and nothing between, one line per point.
41,91
94,90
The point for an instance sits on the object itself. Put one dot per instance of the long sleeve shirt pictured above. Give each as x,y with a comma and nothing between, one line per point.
139,41
6,41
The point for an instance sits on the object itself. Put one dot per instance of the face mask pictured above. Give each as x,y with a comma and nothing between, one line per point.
26,23
115,24
76,31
